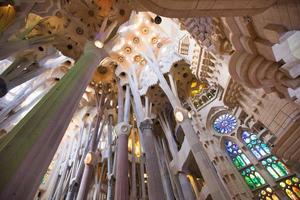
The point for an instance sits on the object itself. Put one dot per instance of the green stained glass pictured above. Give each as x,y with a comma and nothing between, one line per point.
241,161
282,167
247,161
253,178
238,158
249,183
275,168
236,163
272,172
278,170
261,179
266,148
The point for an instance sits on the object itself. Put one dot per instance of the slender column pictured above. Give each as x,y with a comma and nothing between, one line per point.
123,129
207,169
75,183
39,133
88,168
155,186
174,179
164,172
65,166
54,173
91,157
142,178
215,186
133,168
186,187
109,159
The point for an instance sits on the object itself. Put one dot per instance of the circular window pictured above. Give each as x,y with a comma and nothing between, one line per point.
225,123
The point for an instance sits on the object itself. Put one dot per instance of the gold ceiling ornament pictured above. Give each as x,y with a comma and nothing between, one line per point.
128,50
154,40
137,58
136,40
121,59
145,30
105,74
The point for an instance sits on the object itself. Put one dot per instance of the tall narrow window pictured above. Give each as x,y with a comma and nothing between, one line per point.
275,167
263,153
256,146
253,179
238,158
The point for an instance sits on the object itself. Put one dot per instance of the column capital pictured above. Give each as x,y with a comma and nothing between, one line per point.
89,158
122,128
146,124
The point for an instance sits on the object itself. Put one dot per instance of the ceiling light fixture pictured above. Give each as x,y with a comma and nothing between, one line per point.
99,44
179,116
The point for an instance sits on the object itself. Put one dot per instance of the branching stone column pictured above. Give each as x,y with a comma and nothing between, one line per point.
90,158
26,152
215,186
207,169
155,186
186,187
28,66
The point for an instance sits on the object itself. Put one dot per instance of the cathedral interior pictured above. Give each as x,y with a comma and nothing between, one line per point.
149,99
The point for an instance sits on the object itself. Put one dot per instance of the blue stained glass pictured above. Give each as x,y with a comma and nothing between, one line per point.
256,145
257,155
239,159
225,123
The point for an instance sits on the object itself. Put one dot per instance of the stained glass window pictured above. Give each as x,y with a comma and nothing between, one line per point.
267,194
291,187
238,158
225,123
253,179
275,167
256,146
